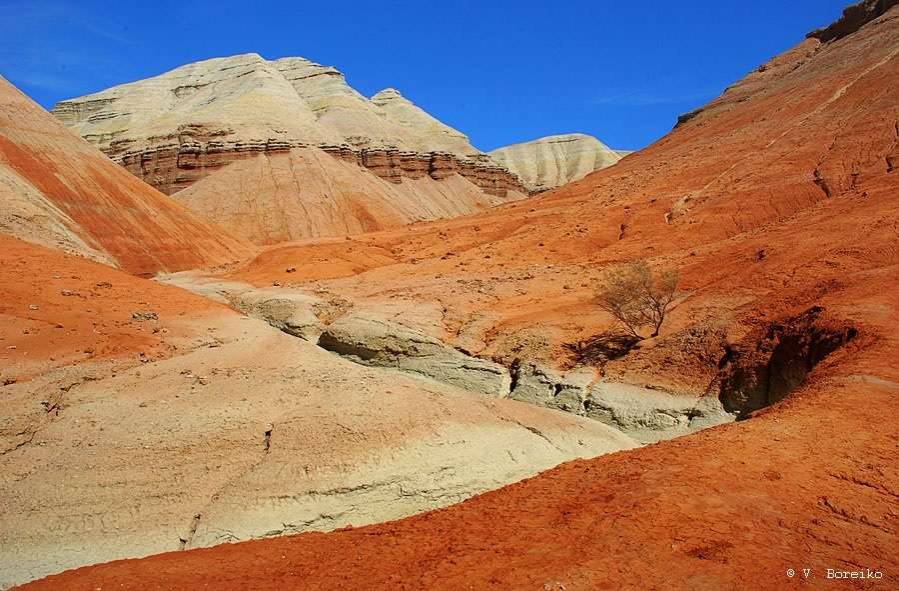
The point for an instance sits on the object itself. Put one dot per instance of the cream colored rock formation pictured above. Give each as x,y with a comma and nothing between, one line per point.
428,130
555,160
190,124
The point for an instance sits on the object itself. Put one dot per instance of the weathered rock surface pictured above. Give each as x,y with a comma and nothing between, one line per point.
202,426
372,337
854,17
650,415
288,311
553,161
178,128
645,414
59,191
378,342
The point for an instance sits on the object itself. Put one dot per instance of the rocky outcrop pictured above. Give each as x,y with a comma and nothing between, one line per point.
395,165
555,160
367,337
291,312
646,414
181,126
854,18
372,341
195,153
191,155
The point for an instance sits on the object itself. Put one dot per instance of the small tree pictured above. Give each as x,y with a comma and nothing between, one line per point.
636,296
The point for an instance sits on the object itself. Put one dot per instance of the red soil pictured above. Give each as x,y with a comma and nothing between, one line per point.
311,261
779,196
115,212
735,199
59,310
812,484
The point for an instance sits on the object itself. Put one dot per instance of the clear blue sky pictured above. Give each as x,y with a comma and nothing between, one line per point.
500,71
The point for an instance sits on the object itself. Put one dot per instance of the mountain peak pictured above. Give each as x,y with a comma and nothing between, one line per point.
386,95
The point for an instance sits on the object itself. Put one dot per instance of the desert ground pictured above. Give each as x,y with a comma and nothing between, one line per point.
269,357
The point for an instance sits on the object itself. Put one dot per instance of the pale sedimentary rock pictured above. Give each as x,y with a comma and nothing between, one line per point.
185,126
553,161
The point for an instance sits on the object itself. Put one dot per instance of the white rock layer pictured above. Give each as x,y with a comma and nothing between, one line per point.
552,161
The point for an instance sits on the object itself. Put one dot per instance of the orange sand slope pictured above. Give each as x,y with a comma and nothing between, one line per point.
778,193
778,202
58,190
60,310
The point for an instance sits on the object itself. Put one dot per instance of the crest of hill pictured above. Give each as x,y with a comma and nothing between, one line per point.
552,161
245,98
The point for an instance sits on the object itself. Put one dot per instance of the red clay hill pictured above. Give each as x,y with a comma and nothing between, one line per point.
779,203
60,191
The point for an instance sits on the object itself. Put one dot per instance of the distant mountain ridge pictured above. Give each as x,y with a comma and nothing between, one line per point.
552,161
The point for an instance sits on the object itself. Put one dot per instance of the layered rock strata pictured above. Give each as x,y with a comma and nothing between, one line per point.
174,166
175,129
553,161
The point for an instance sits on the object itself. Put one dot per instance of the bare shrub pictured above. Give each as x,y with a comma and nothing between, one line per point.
637,296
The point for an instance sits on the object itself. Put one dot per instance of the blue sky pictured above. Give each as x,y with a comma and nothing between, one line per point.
500,71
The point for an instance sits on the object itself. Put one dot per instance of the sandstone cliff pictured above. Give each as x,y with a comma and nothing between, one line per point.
182,126
59,191
553,161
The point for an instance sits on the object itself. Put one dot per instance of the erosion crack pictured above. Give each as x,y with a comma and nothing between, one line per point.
186,541
267,438
192,531
533,430
766,368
